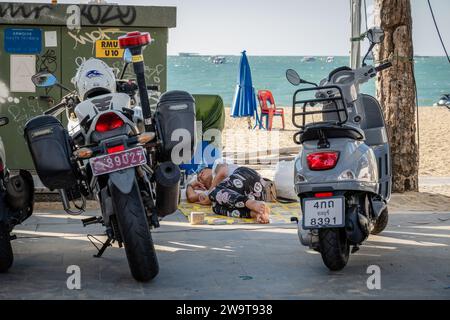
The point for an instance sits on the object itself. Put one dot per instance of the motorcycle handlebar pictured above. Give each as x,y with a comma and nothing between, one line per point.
383,66
55,108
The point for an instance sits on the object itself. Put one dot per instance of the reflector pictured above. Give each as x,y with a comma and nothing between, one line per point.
324,195
116,149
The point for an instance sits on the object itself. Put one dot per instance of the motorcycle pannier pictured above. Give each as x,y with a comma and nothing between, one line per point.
176,110
51,150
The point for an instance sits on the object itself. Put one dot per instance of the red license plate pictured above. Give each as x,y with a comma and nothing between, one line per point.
118,161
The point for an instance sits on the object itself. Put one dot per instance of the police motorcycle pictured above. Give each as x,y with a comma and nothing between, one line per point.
115,151
16,204
343,171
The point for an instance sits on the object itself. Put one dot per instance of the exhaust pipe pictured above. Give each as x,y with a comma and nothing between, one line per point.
167,177
308,238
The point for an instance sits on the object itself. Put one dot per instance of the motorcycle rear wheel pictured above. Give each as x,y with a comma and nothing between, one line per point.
334,248
136,235
6,253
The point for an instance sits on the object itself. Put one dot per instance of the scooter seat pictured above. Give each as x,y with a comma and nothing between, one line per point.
328,130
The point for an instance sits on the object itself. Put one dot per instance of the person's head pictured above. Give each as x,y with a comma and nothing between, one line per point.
205,177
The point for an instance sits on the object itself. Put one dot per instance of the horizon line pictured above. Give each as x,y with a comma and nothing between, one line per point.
194,54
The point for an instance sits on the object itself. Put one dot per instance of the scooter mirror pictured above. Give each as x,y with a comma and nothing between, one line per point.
293,77
375,35
4,121
44,79
127,57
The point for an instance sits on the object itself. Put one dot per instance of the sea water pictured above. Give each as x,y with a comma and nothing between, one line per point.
198,75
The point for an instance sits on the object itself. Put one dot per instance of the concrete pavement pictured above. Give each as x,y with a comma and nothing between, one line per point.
229,262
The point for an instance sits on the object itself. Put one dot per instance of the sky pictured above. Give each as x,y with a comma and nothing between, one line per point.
282,27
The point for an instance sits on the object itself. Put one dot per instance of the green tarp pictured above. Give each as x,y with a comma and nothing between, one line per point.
210,111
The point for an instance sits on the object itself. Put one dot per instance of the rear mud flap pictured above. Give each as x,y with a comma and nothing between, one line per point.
378,206
356,226
123,180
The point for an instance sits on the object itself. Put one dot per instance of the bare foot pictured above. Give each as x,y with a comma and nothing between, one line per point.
266,213
259,210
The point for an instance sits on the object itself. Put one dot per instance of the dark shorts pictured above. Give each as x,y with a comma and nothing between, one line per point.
230,196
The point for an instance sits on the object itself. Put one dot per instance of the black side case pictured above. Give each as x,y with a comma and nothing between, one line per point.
51,149
176,110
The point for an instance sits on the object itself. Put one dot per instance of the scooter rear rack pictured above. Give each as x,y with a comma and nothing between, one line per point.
305,102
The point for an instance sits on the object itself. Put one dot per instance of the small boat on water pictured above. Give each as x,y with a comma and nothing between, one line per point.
308,59
218,59
444,101
330,59
188,54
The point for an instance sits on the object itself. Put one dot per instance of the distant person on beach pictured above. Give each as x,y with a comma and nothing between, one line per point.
231,190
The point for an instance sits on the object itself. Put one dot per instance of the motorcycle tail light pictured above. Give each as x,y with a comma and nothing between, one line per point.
323,195
322,160
115,149
108,121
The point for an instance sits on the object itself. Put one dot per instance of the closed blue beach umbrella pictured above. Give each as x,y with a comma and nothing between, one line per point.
244,103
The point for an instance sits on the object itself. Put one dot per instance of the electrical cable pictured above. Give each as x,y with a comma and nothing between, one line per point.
417,111
438,32
365,15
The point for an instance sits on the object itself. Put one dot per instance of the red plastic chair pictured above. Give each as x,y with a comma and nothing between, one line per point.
269,109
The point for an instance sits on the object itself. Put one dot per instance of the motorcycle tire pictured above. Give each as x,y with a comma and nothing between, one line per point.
6,253
334,248
136,235
381,222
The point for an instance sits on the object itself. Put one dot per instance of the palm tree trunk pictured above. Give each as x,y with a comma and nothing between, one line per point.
396,90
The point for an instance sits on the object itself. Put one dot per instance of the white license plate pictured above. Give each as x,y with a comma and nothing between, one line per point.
323,213
118,161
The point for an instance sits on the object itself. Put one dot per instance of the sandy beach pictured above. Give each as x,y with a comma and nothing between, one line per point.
434,155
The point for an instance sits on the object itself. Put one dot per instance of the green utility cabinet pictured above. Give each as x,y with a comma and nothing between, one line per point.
37,37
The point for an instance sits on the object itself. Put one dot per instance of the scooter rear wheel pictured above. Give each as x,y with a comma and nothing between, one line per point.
6,253
334,248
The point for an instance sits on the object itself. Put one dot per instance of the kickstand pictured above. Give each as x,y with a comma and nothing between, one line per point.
355,249
105,245
154,220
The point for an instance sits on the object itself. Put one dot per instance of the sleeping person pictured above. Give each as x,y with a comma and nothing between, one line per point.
231,190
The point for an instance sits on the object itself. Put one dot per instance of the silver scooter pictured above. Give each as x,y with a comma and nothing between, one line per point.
343,170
